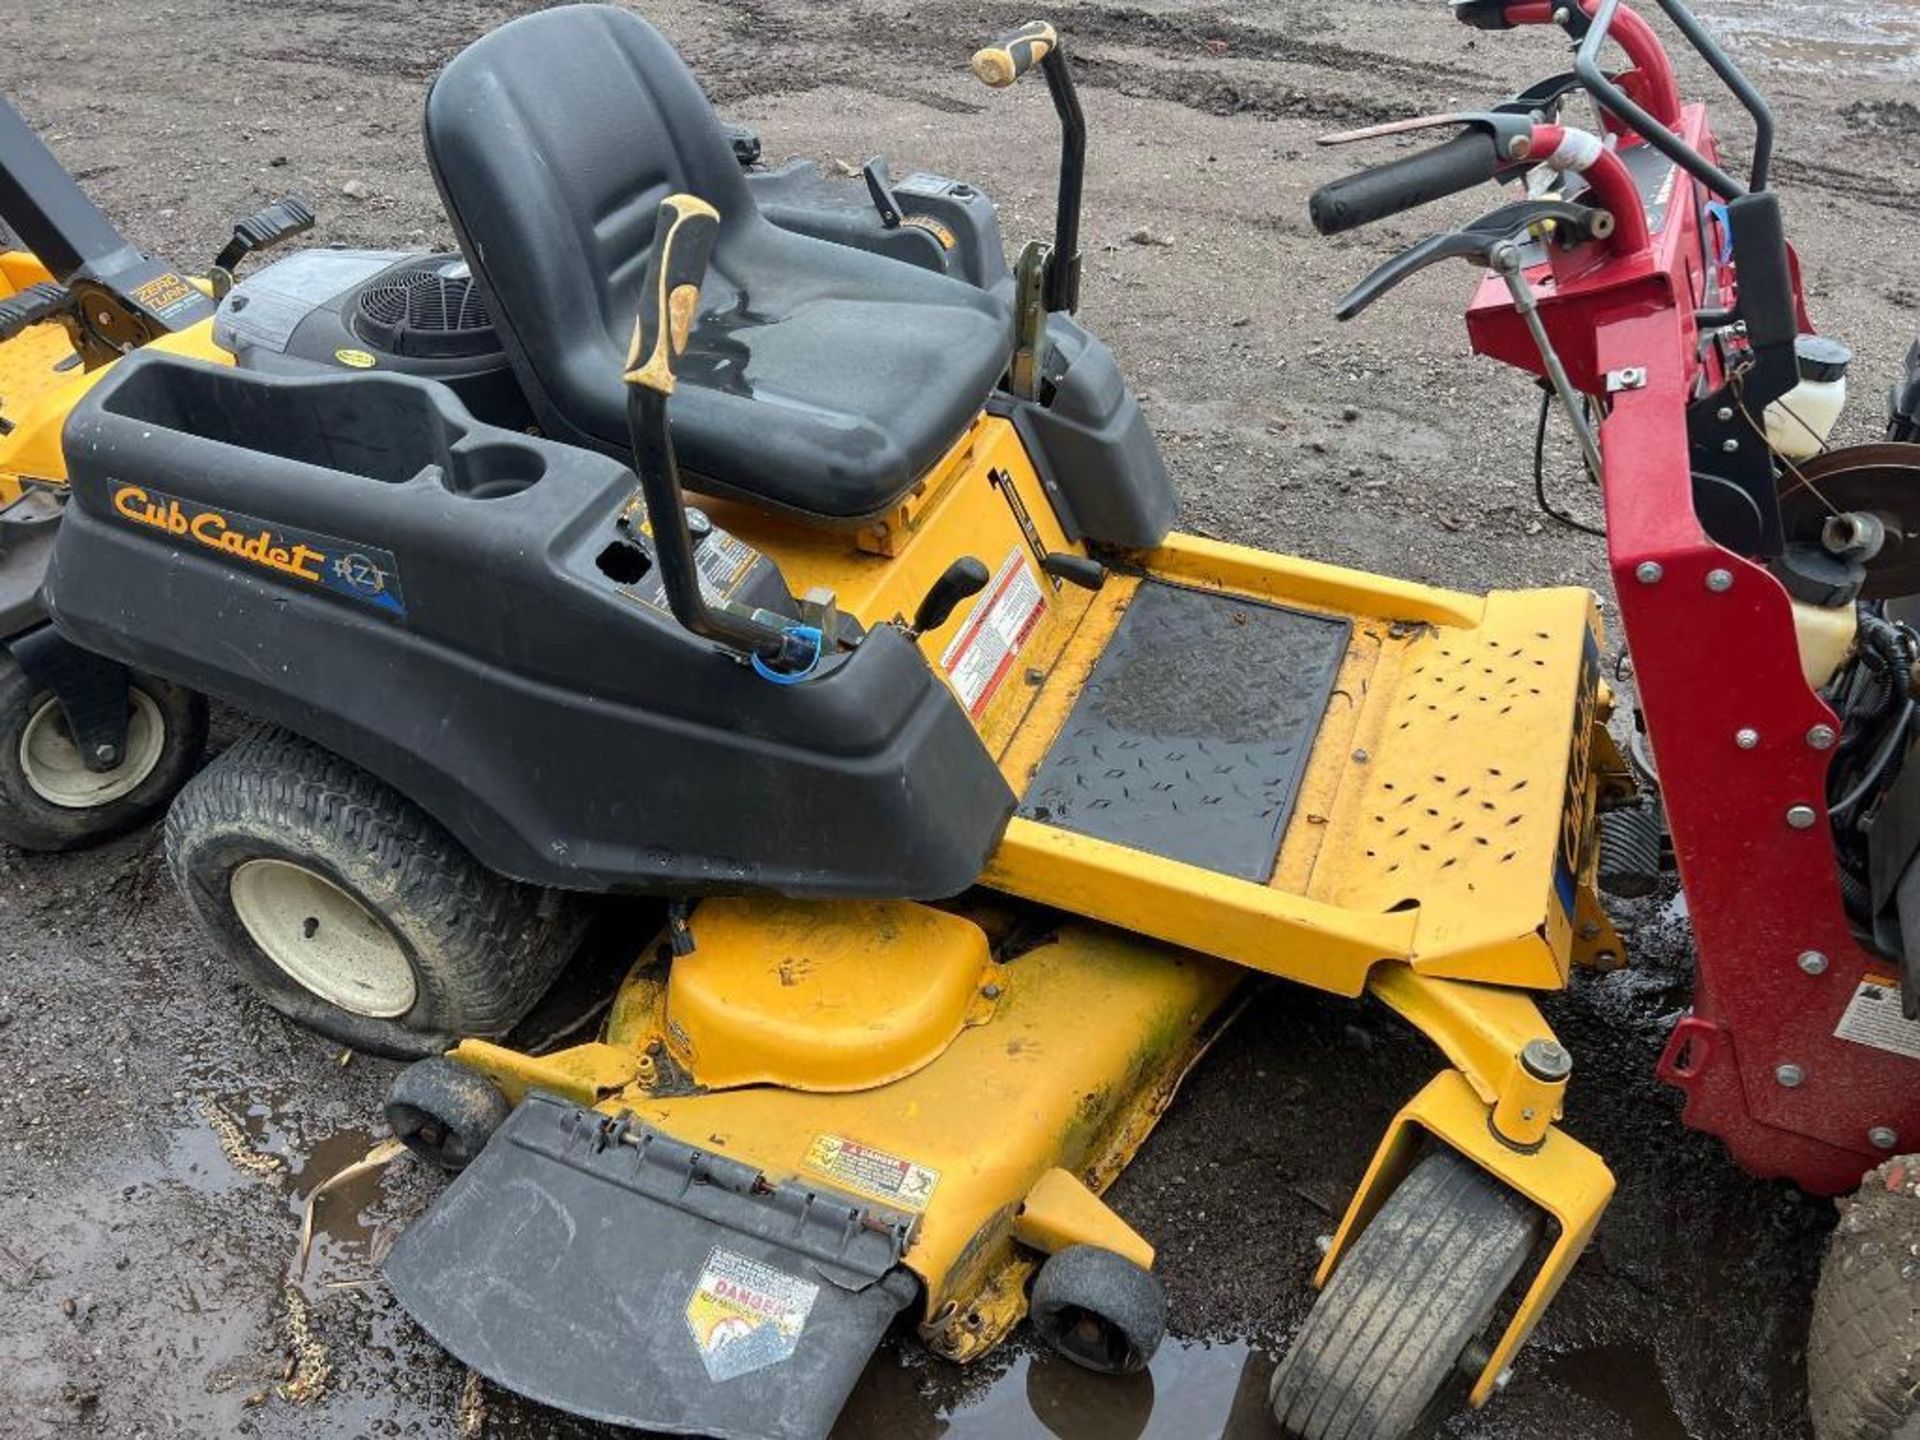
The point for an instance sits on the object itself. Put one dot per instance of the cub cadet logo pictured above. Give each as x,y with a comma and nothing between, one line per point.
212,529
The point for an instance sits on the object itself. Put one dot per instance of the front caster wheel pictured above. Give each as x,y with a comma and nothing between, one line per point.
1381,1351
445,1112
1099,1309
51,801
350,910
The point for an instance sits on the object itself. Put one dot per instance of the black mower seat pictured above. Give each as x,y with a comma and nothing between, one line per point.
820,379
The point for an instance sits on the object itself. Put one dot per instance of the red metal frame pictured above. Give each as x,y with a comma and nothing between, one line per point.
1713,660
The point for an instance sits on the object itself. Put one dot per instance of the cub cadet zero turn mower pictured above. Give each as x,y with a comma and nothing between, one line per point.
929,635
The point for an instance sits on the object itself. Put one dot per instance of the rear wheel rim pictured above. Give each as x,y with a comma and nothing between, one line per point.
50,757
323,939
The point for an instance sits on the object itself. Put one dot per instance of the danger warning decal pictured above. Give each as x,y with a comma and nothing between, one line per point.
1873,1017
872,1172
1003,619
746,1315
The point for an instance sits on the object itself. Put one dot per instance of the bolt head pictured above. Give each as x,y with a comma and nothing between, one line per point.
1789,1075
1519,146
1546,1060
1730,445
106,754
1813,962
1723,414
1719,581
1801,817
1883,1137
1648,572
1746,738
1821,737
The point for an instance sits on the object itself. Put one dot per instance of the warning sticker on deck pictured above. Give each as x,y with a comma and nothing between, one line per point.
1873,1017
1004,618
872,1172
746,1315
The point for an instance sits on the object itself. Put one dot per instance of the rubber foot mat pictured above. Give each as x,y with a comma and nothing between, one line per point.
1192,734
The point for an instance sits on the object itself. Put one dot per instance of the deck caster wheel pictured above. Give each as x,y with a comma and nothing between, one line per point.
445,1112
50,800
1379,1357
1099,1309
350,910
1863,1344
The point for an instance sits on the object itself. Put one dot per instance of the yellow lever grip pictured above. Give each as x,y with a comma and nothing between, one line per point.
1015,53
683,236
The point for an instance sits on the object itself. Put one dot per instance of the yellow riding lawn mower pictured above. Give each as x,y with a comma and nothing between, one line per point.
837,602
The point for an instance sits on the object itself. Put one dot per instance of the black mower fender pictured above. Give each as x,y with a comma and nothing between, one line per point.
92,691
463,612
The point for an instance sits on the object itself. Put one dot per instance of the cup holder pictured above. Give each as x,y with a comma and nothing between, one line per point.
493,471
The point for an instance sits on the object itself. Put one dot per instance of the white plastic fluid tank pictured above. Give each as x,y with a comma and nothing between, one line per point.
1799,422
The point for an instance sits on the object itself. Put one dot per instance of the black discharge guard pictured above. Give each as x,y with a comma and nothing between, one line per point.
606,1269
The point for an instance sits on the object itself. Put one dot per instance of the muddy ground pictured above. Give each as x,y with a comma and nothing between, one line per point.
158,1129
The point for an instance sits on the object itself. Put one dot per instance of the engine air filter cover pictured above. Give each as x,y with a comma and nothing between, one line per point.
430,308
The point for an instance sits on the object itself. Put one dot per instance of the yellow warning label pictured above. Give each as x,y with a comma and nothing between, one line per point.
872,1172
746,1314
358,359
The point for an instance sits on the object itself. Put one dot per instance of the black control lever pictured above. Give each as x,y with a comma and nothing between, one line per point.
880,189
1476,242
683,239
266,227
30,306
965,576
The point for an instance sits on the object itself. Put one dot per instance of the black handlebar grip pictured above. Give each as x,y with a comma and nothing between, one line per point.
1354,200
683,237
1015,53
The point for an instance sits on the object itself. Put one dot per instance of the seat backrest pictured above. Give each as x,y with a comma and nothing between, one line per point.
553,140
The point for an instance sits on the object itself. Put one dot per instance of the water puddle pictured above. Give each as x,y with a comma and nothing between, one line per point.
1623,1379
1859,37
1192,1388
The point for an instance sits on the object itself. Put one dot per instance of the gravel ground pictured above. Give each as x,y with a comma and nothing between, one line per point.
144,1242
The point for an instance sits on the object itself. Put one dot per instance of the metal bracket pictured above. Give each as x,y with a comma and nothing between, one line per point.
1630,377
92,691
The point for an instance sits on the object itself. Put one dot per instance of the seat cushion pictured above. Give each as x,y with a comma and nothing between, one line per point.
820,379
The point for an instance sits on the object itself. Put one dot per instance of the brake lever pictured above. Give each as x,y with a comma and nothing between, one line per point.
1543,97
1510,131
1476,242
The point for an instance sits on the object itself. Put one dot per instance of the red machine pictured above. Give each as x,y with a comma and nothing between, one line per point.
1654,294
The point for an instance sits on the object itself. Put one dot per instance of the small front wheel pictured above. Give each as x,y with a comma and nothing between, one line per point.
445,1112
1099,1309
50,800
1382,1347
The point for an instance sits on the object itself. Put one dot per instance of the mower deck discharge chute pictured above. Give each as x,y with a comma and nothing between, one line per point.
976,793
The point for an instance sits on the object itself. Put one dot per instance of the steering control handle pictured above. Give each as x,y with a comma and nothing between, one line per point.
1005,60
1469,159
683,238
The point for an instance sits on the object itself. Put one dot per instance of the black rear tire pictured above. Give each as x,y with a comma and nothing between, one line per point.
445,1112
1099,1309
44,799
292,858
1379,1357
1863,1345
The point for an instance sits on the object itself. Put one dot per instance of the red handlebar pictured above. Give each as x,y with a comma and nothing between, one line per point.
1661,91
1608,180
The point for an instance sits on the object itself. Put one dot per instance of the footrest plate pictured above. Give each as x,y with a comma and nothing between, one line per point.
1192,734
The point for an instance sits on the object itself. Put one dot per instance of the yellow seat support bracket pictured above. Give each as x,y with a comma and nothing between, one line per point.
1559,1174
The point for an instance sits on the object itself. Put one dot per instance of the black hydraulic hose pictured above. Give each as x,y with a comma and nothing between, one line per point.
1876,766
